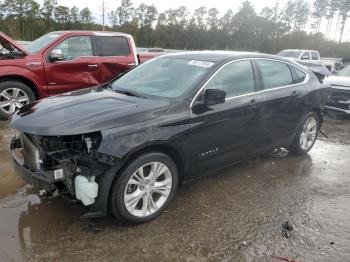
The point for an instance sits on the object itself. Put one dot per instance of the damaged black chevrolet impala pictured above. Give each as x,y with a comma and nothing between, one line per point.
125,147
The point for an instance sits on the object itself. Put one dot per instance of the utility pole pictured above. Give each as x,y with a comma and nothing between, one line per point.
103,15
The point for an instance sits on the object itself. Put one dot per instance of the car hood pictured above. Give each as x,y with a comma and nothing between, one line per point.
341,81
85,111
9,42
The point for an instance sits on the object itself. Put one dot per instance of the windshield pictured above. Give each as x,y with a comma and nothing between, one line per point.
42,42
165,77
344,72
290,53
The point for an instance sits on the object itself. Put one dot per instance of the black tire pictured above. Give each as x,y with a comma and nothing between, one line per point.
296,147
117,204
14,84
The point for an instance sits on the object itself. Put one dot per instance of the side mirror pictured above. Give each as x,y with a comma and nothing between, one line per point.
56,55
304,57
214,96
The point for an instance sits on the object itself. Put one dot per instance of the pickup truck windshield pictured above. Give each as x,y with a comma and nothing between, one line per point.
42,42
290,53
164,77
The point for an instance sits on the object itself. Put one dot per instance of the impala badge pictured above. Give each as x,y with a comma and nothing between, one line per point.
209,152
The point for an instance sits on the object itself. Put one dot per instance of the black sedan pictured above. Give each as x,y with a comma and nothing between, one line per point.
127,146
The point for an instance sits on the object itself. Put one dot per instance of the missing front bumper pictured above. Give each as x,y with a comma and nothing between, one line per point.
39,179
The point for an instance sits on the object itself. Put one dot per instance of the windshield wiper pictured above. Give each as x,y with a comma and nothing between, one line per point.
107,86
128,93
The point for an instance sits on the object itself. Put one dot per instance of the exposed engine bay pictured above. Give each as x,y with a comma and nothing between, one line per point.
65,164
8,51
5,54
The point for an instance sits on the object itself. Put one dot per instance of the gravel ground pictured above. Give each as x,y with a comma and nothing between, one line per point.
233,215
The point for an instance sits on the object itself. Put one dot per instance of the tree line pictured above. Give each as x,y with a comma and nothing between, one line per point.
297,24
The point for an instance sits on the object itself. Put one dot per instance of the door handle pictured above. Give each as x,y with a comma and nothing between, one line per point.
254,101
93,66
296,93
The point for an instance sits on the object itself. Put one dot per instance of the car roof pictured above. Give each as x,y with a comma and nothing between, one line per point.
99,33
300,50
219,56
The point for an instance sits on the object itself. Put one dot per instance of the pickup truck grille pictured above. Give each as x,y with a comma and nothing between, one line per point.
30,153
340,94
340,98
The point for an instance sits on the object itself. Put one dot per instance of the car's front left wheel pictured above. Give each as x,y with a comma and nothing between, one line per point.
145,188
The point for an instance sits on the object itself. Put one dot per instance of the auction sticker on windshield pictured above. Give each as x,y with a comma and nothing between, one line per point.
201,63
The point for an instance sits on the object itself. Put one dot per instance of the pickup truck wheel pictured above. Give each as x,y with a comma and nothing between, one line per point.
144,189
13,95
306,135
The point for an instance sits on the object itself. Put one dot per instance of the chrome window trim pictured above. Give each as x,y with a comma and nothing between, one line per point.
68,61
307,78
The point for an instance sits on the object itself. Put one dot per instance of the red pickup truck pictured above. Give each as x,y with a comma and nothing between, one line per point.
59,62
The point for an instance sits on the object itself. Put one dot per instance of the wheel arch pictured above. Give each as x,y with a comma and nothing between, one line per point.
111,176
31,84
318,111
168,150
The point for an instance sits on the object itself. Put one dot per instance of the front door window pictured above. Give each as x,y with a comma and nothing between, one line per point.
76,46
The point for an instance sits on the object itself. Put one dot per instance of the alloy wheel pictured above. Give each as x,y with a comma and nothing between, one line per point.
308,133
148,189
12,99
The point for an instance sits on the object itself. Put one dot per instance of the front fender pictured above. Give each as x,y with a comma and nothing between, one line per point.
35,75
124,142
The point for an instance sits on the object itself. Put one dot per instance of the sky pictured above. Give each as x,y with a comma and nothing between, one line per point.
162,5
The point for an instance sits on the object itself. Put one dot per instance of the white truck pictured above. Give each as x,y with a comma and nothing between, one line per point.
301,55
309,58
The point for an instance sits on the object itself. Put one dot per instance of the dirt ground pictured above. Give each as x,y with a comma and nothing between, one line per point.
234,215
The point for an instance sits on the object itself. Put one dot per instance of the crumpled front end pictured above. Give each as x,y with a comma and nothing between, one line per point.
339,100
66,165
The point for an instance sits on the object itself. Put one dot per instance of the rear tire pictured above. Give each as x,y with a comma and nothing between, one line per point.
144,188
306,135
13,95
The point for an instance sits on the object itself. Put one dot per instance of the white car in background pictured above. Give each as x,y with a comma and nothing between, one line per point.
340,99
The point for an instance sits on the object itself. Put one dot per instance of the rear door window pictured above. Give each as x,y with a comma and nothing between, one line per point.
275,74
298,75
113,46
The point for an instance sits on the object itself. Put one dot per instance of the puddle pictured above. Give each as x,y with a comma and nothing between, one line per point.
209,220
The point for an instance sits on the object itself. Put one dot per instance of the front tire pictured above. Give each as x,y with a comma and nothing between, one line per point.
13,95
144,189
306,135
